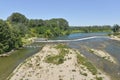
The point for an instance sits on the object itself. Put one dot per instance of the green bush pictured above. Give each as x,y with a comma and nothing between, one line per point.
85,74
99,78
61,46
84,61
57,59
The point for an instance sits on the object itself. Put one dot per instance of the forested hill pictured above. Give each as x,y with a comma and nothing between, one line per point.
18,28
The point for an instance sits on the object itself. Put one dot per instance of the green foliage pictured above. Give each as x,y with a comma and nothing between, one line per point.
17,28
61,46
99,78
58,22
116,33
116,28
20,29
35,23
49,28
9,38
87,29
18,23
17,18
85,74
84,61
48,33
58,59
1,48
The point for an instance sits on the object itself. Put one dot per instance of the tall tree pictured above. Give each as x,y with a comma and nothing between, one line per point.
17,18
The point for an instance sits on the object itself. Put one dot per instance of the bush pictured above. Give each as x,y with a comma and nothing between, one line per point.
84,61
57,59
85,74
99,78
61,46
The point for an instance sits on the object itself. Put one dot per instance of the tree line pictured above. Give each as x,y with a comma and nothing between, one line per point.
17,27
87,29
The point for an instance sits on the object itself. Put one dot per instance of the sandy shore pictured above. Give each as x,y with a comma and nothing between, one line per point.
114,38
7,54
104,55
35,67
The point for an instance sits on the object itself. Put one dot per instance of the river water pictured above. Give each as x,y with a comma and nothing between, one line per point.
8,64
104,44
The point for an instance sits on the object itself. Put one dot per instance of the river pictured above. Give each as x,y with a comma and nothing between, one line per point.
8,64
105,44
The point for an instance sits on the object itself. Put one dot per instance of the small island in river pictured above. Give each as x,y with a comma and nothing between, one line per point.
57,62
104,55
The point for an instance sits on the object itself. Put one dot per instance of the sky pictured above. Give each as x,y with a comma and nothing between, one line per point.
76,12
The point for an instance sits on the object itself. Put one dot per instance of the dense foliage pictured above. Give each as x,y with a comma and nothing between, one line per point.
58,59
49,28
9,38
18,28
116,28
87,29
17,18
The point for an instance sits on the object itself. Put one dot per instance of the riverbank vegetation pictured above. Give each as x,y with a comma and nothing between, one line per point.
17,29
88,29
116,30
64,50
115,35
103,54
84,61
58,59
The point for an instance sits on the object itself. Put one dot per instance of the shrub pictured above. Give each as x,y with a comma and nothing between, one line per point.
61,46
84,61
85,74
99,78
57,59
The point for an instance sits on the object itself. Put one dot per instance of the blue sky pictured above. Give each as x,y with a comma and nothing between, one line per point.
76,12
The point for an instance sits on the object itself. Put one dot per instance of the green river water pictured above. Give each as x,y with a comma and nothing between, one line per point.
8,64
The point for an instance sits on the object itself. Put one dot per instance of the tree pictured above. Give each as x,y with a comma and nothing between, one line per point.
17,18
35,23
5,36
58,22
18,22
9,38
116,28
17,27
48,33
